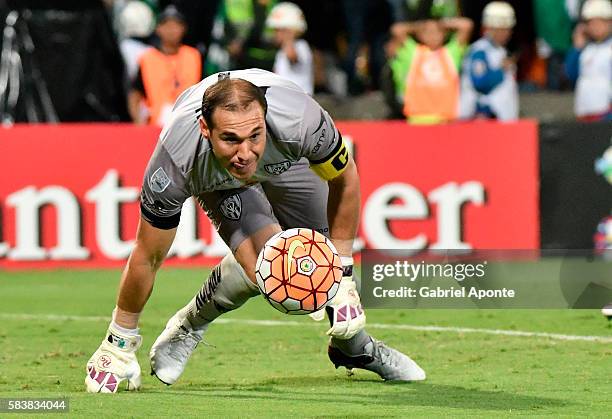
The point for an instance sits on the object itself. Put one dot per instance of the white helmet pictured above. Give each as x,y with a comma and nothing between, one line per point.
136,19
498,14
286,15
593,9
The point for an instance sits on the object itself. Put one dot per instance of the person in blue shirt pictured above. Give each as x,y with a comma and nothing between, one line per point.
488,82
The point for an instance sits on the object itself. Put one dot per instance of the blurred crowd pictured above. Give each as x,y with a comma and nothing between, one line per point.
433,60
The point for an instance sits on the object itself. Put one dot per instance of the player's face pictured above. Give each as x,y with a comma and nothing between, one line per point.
238,139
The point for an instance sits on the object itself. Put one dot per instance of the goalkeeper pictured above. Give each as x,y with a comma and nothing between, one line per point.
259,155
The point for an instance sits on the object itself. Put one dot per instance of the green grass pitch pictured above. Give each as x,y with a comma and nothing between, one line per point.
282,370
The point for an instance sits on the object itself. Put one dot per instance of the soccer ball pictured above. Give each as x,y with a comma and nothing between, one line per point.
298,271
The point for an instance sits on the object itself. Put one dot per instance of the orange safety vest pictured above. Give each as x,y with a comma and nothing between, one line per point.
432,87
165,77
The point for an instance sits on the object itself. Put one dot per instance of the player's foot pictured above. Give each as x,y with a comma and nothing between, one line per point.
377,357
607,311
172,349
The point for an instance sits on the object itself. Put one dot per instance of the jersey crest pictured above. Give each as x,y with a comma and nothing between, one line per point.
159,181
231,207
277,168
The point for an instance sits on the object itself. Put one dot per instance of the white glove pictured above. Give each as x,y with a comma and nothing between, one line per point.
346,315
113,363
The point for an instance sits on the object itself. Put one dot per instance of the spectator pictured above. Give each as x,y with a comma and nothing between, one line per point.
403,11
367,21
322,36
164,72
488,82
294,58
136,23
200,16
553,26
240,38
426,72
590,62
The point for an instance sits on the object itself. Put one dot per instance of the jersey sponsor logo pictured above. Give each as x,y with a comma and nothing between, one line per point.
321,135
292,248
159,181
231,207
277,168
319,143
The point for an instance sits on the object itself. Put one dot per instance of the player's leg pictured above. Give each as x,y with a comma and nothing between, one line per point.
245,221
299,199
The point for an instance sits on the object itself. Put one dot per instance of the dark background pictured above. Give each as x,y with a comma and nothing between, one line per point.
573,198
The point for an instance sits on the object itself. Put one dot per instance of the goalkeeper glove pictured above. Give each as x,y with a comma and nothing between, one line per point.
113,363
346,316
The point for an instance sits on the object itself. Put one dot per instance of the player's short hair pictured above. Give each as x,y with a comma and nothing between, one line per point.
232,95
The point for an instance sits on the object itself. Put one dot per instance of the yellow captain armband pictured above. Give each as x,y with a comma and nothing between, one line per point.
333,165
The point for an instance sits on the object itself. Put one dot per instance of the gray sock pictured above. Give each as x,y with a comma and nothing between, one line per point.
353,346
226,289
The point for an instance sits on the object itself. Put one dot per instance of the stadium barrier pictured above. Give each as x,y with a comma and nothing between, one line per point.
69,194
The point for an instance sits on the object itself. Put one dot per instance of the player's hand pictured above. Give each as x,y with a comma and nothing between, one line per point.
114,365
345,312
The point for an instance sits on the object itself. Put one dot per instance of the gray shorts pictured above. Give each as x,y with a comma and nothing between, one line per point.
296,198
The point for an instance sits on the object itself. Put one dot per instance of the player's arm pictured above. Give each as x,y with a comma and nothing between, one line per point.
343,208
161,201
339,170
329,158
323,145
114,365
151,247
